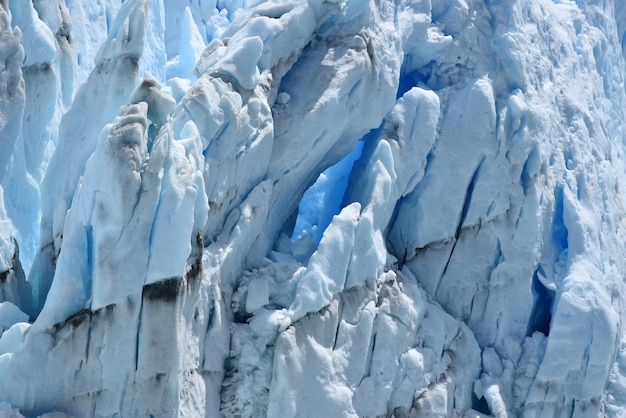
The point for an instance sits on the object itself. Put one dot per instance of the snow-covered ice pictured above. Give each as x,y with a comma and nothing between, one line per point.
308,207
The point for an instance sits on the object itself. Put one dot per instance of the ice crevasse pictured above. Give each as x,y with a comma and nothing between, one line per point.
409,208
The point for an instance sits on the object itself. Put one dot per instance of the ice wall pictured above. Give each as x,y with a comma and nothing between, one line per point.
154,154
14,290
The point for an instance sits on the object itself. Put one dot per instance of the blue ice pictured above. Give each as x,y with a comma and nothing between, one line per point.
324,198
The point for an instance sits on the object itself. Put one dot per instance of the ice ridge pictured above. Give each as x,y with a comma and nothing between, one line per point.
312,208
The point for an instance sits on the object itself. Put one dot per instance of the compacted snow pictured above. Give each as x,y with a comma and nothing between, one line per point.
305,208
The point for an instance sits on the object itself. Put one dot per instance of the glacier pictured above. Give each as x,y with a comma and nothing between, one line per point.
364,208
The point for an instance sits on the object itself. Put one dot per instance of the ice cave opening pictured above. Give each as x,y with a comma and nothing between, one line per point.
324,198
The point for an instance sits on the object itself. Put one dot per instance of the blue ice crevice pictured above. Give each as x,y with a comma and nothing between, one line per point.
543,301
543,295
324,198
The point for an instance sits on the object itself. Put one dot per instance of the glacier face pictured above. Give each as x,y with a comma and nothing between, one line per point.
307,207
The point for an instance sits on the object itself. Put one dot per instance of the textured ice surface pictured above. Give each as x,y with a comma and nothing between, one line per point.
312,208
